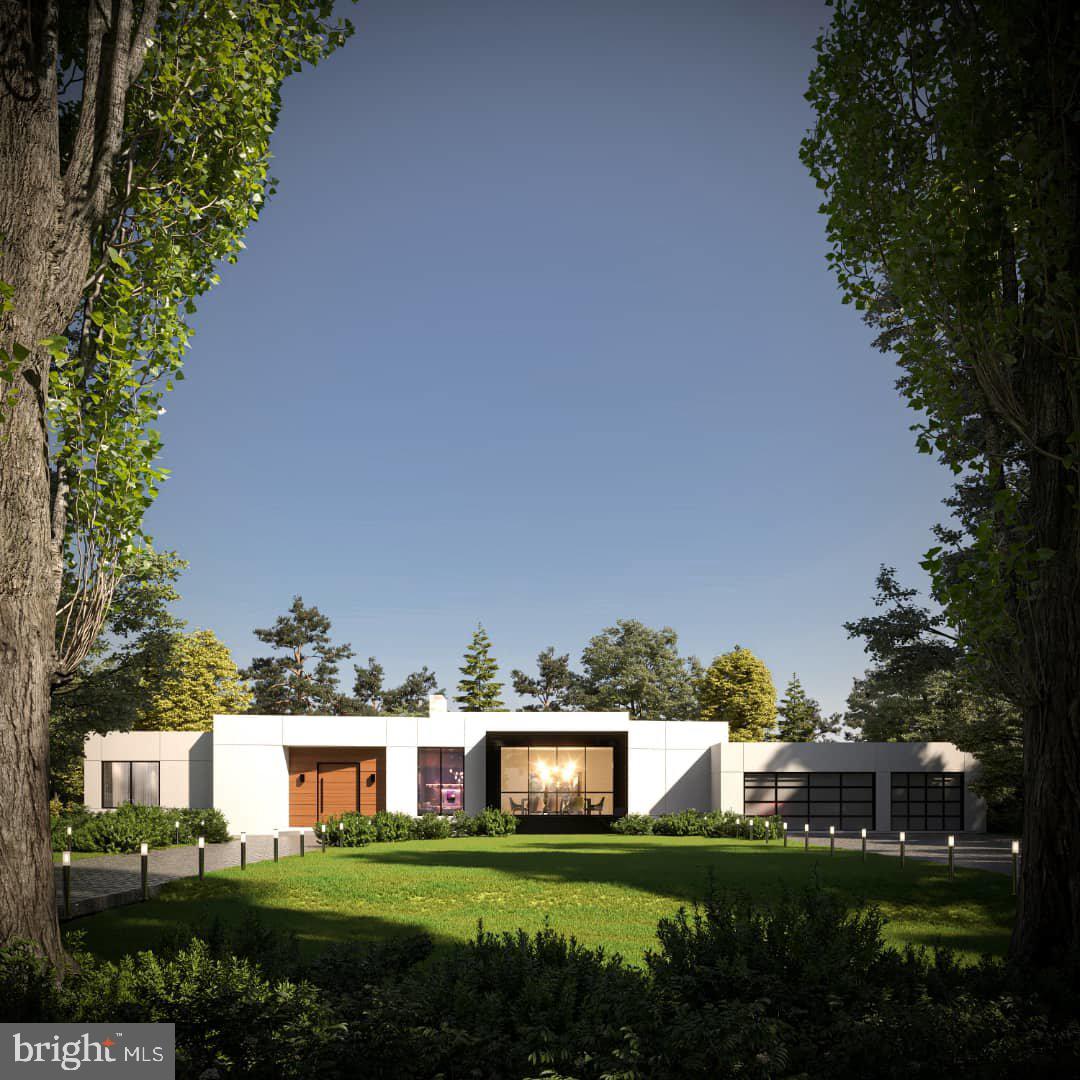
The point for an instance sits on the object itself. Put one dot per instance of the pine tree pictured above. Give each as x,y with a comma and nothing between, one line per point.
800,718
478,690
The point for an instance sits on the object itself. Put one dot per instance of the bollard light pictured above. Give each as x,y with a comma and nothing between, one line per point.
806,836
785,834
832,839
69,832
243,851
277,836
903,839
65,859
202,856
144,853
176,831
952,849
1015,865
863,845
301,843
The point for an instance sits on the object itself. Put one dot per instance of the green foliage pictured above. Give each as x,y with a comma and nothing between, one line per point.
358,830
200,679
712,823
799,716
190,178
737,687
553,686
478,689
285,684
633,667
128,826
372,698
633,825
801,988
924,686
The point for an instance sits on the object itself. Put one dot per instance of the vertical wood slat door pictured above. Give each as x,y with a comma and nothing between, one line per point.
338,787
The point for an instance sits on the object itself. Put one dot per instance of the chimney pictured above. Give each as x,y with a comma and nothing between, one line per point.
436,704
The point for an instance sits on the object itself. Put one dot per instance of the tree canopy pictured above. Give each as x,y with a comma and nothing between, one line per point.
304,680
372,697
947,150
479,689
737,687
634,667
799,717
554,686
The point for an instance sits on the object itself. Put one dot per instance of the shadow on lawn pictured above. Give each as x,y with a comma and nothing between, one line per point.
189,904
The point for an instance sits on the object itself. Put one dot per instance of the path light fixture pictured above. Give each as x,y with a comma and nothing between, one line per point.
1015,865
69,837
952,850
832,839
301,843
806,836
785,834
277,837
243,851
176,831
65,859
144,854
903,841
864,845
202,856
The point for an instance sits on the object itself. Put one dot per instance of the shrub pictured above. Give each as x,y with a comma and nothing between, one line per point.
462,825
633,825
492,822
433,827
128,826
349,830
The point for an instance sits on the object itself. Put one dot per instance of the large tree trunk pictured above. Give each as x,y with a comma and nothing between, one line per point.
29,584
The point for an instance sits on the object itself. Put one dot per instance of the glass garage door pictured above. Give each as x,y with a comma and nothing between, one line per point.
845,800
928,801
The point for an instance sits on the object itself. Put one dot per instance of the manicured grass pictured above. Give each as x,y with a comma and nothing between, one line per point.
608,890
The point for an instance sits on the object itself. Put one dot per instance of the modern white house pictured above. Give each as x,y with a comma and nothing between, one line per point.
558,772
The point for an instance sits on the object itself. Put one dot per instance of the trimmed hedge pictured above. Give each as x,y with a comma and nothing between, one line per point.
128,826
358,830
701,823
800,989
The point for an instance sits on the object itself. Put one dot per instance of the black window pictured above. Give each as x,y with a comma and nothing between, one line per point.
821,799
136,782
440,781
932,802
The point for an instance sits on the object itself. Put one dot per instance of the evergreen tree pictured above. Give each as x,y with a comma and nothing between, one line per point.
478,690
285,684
553,686
371,698
799,716
738,688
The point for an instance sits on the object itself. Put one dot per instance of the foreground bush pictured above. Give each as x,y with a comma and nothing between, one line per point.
357,830
128,826
802,989
715,823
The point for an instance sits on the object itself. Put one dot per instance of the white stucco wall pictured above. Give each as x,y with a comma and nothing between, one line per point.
185,771
882,759
251,772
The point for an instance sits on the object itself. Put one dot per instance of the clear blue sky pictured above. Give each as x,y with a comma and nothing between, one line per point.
538,331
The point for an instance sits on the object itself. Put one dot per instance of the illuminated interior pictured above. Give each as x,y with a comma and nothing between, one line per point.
557,780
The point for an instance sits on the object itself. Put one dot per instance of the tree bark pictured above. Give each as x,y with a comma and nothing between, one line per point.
46,222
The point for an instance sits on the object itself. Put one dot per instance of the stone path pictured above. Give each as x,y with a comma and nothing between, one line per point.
106,881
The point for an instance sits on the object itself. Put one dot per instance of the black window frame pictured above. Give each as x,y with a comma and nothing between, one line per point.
933,786
444,810
791,795
113,805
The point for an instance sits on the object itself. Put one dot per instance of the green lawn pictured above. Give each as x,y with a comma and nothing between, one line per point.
608,890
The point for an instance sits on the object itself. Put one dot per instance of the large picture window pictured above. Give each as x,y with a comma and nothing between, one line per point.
137,782
933,802
821,799
557,780
440,783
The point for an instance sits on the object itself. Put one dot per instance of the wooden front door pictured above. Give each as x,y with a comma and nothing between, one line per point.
369,786
339,788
